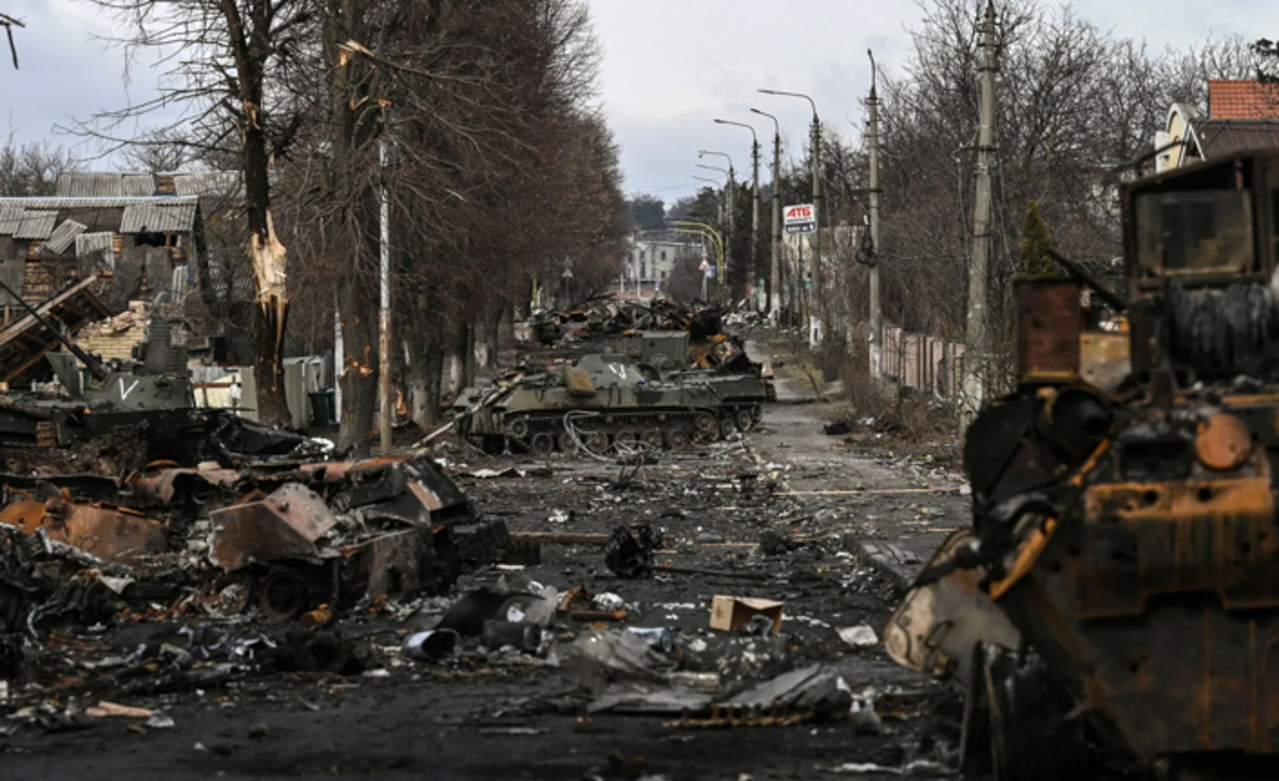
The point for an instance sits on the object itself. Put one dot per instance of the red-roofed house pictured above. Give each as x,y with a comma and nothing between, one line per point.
1243,114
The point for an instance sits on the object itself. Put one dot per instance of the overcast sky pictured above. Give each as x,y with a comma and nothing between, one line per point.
670,67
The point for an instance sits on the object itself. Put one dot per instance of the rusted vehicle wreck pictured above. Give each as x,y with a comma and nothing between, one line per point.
1117,597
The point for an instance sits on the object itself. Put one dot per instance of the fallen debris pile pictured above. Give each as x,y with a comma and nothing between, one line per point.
277,540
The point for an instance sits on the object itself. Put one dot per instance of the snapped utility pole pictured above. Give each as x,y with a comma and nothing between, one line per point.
876,313
977,346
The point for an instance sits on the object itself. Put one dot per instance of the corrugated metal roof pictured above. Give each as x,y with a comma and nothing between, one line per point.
63,235
207,183
36,225
137,184
10,216
176,217
80,185
85,202
1220,137
99,185
88,243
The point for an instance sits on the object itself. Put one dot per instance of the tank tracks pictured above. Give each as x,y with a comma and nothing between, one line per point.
573,431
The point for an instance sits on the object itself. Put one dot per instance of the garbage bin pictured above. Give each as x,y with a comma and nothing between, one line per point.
322,408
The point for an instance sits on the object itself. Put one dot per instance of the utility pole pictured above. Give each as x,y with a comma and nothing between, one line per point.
977,345
774,269
815,308
384,311
876,313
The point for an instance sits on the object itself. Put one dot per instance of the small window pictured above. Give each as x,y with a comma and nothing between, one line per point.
643,270
641,254
663,254
1196,232
663,276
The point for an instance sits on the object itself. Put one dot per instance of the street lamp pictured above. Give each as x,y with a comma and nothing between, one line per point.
817,203
774,276
732,199
754,188
723,194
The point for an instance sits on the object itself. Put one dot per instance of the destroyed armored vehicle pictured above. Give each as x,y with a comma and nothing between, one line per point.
605,400
1117,597
742,385
146,403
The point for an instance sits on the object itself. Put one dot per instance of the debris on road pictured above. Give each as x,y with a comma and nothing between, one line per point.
735,614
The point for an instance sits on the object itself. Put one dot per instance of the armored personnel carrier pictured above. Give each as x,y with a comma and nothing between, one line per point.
1117,596
605,400
742,385
145,403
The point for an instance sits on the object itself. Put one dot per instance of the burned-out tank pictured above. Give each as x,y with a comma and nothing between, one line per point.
146,403
1118,592
604,400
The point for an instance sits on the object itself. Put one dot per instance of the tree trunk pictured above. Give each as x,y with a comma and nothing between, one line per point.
492,332
358,310
270,319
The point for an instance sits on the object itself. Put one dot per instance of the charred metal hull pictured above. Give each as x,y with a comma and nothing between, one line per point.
607,400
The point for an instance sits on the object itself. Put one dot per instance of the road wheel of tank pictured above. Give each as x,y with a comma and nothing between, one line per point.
518,428
1030,739
742,417
705,425
678,439
283,596
625,438
566,443
727,427
653,438
542,442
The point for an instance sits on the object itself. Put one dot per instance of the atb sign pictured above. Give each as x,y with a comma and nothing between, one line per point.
800,218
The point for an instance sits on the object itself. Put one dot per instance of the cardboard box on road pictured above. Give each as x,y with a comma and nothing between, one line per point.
730,614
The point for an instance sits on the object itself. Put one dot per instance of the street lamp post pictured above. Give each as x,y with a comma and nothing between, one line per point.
754,191
732,199
876,312
816,258
774,270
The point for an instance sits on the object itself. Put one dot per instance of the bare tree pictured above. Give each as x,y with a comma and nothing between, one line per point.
238,69
32,169
1075,105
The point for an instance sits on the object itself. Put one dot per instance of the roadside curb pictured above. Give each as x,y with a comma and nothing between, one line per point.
889,559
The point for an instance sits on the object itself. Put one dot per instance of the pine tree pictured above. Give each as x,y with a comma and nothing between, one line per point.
1035,260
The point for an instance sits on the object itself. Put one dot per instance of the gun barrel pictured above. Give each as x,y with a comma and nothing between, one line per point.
1077,271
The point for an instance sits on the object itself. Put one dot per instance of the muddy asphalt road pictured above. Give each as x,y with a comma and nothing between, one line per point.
864,518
